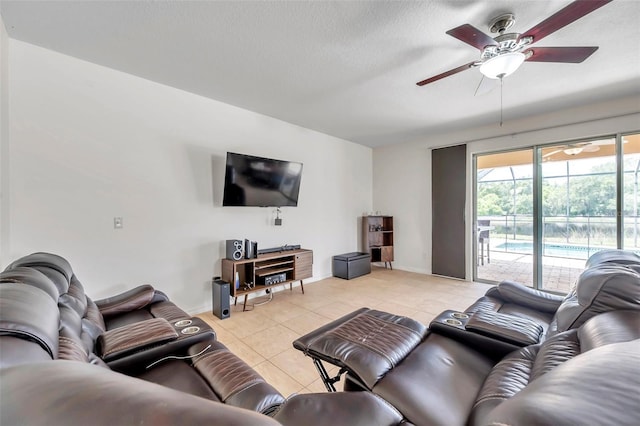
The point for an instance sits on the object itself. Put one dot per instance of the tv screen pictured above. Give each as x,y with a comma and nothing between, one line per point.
260,182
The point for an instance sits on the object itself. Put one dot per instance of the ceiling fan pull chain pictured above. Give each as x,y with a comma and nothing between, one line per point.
501,83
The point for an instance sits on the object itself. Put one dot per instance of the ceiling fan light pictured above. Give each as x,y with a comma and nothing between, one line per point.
502,65
573,151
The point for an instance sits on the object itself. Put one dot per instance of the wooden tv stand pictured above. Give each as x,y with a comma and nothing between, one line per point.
294,265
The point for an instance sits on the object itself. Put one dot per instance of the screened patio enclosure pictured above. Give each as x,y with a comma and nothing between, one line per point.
541,212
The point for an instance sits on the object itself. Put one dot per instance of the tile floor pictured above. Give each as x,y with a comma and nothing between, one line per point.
263,336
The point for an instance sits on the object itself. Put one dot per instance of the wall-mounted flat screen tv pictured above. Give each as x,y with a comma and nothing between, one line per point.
260,182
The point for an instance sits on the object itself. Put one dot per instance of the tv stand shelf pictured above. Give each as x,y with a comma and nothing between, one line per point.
296,265
263,273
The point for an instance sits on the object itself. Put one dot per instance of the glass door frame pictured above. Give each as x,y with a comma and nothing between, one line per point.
537,199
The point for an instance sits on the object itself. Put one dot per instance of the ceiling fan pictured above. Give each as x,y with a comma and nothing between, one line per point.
502,55
580,147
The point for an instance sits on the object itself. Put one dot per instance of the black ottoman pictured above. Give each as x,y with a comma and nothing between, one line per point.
351,265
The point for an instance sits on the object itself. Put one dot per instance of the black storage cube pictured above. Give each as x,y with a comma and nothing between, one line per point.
351,265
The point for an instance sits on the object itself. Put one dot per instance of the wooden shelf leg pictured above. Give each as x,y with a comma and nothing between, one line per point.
244,306
302,286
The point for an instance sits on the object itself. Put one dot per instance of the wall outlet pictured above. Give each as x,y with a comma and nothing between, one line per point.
117,223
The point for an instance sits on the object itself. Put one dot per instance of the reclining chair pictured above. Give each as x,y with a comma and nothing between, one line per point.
138,304
39,324
610,282
436,379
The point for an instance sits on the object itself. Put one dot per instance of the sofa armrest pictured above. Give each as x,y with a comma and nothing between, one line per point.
135,362
509,328
519,294
70,392
333,409
128,301
232,379
134,337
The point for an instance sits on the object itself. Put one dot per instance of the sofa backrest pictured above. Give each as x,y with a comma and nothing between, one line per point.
28,323
601,288
613,256
79,321
517,370
599,387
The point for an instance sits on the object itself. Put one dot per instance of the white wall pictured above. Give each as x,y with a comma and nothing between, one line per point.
400,177
4,143
402,173
90,143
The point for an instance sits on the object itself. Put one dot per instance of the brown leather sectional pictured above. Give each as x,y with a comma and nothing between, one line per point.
137,358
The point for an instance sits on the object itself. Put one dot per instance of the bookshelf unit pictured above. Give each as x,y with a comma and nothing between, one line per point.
377,238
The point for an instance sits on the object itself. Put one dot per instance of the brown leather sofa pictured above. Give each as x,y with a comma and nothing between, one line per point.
403,373
43,301
435,380
53,371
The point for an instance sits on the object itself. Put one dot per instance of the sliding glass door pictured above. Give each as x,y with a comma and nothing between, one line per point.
541,212
578,208
631,191
503,227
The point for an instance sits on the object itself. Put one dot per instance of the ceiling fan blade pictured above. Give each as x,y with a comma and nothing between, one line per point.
549,154
473,36
591,148
564,17
446,74
485,86
573,55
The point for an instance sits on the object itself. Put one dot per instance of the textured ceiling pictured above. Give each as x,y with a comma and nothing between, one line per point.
345,68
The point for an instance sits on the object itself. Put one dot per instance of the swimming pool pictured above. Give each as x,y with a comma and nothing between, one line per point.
551,249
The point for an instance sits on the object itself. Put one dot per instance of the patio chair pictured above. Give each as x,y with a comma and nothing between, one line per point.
483,237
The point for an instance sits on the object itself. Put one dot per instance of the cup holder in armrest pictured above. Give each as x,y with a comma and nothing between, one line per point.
183,323
190,330
451,319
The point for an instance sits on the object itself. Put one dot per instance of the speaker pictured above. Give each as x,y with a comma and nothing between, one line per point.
220,298
248,249
234,249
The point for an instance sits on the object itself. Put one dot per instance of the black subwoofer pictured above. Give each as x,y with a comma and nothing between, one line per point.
220,298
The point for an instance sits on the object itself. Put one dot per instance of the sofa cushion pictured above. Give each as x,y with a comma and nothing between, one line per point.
180,376
436,383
